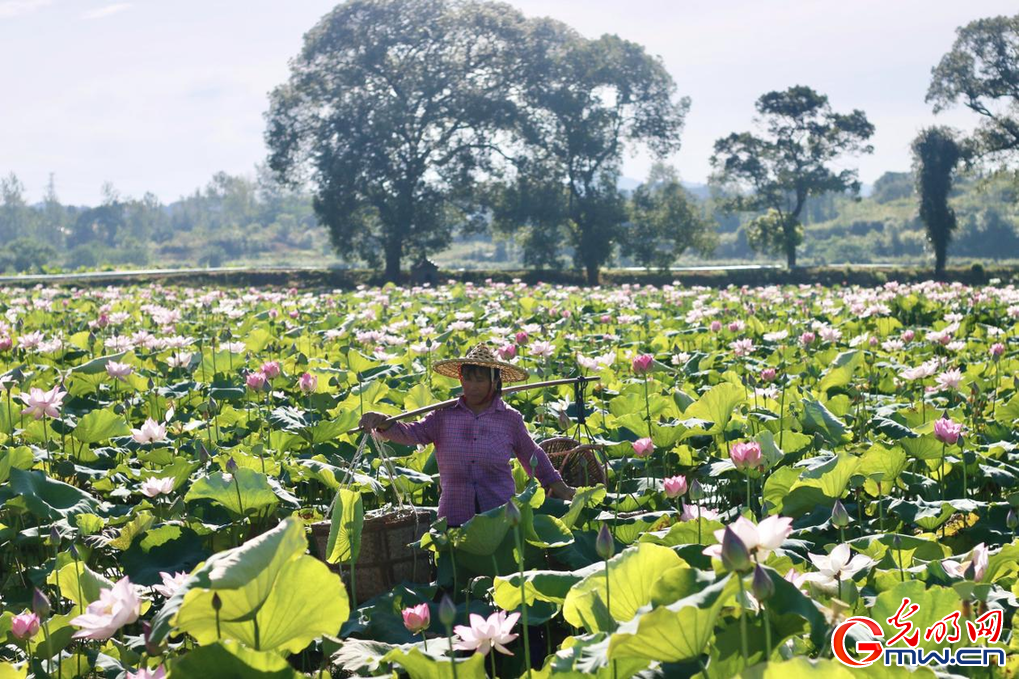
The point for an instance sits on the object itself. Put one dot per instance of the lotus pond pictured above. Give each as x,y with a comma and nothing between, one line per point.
778,460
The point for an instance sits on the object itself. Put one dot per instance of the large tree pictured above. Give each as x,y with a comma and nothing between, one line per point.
981,71
935,156
580,104
790,159
390,111
664,221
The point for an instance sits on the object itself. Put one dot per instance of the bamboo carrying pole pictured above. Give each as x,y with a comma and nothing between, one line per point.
507,390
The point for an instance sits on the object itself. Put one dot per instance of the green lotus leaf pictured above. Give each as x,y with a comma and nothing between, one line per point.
677,632
49,499
550,586
15,458
421,666
79,583
101,425
716,406
631,577
817,419
229,659
831,669
346,522
273,596
243,492
168,548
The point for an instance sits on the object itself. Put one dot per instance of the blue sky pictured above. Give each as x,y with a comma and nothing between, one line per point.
157,95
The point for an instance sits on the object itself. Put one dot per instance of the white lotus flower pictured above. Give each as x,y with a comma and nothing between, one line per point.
837,566
150,432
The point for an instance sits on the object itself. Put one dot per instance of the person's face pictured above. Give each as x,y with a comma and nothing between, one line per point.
477,386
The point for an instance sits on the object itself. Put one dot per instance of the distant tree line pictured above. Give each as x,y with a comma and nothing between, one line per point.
408,124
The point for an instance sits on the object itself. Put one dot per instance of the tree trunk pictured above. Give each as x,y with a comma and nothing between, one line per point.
940,258
592,273
394,253
790,257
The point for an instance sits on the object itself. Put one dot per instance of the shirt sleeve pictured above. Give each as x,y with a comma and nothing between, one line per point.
418,433
525,447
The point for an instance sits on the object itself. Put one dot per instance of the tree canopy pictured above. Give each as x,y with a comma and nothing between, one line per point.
664,221
788,161
583,101
981,72
390,111
935,156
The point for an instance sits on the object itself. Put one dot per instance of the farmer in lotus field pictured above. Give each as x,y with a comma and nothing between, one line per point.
475,439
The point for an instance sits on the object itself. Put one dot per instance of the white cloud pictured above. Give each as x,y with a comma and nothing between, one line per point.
13,8
103,12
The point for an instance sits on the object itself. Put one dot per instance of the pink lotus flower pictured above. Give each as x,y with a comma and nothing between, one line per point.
507,351
150,432
642,447
154,487
307,383
715,326
118,371
43,403
947,431
997,349
255,381
768,375
171,583
521,337
977,558
807,338
25,625
605,319
146,673
417,618
759,539
6,342
742,347
271,369
690,513
949,380
116,607
908,336
675,486
484,635
746,455
642,364
542,349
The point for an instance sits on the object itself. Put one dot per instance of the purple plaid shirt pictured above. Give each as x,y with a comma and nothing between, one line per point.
473,453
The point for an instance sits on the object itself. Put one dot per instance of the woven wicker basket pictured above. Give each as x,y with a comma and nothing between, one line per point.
386,557
577,469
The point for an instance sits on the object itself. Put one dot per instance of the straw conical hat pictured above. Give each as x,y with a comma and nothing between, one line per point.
480,354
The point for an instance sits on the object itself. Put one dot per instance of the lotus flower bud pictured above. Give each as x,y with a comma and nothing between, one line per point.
217,603
696,492
839,515
447,611
40,604
231,466
604,545
564,420
512,513
762,586
735,556
1012,520
54,536
897,541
